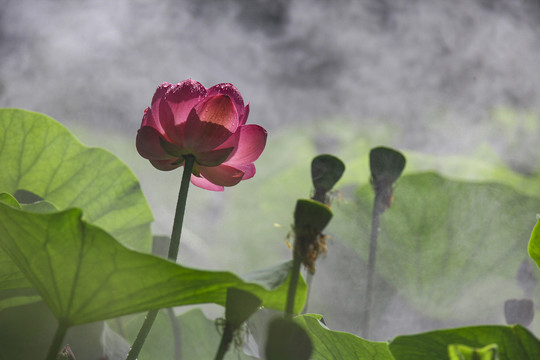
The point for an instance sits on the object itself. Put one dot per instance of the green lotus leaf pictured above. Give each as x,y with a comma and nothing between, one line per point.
513,342
28,329
10,275
534,244
17,300
452,249
463,352
85,275
41,156
199,337
329,344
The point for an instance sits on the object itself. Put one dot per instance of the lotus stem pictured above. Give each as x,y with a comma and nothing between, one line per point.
180,208
143,333
58,338
225,342
173,252
375,220
295,274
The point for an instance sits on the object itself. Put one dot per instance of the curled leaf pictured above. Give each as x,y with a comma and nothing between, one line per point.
85,275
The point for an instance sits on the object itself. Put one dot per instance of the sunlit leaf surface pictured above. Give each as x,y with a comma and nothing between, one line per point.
84,275
10,275
463,352
514,342
330,345
39,155
534,244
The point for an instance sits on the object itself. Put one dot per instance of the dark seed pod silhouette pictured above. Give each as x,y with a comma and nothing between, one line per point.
310,214
386,166
326,170
287,341
519,311
310,219
239,306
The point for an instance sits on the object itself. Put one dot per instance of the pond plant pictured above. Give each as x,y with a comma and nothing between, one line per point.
75,244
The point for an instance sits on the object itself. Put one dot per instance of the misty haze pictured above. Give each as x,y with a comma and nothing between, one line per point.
454,86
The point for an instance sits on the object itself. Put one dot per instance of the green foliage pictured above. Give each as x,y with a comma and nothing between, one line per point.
41,156
84,275
463,352
199,337
10,275
329,344
17,300
451,248
81,271
27,331
513,342
282,177
534,244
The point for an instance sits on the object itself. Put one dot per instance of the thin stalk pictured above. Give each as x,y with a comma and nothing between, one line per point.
375,220
225,342
180,209
143,333
289,310
56,344
176,333
173,252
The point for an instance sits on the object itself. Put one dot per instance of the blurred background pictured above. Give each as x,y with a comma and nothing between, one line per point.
453,85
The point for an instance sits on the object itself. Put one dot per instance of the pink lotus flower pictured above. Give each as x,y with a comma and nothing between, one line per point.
187,119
